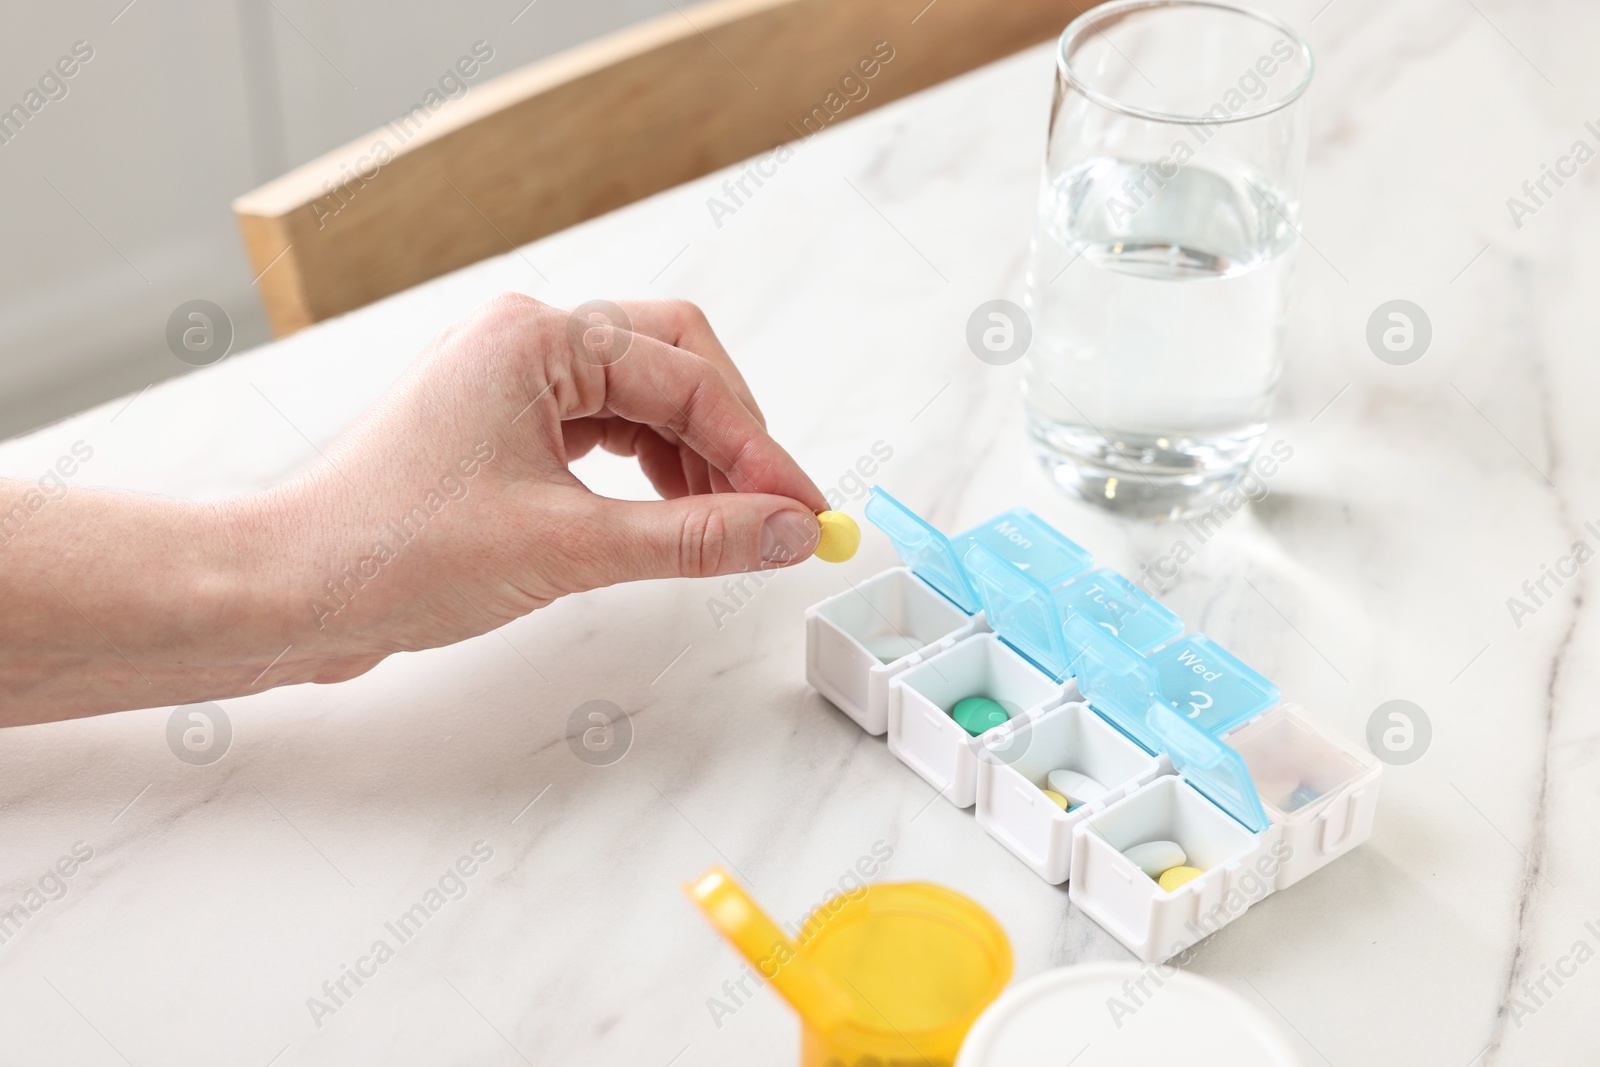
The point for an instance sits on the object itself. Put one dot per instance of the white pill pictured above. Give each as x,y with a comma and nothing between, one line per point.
1153,857
1077,788
890,647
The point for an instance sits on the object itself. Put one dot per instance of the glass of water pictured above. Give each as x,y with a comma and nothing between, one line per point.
1167,227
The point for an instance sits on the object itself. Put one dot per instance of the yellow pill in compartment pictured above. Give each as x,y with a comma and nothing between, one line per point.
1173,877
1055,798
840,536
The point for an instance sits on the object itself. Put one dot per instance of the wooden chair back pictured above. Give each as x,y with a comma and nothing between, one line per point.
607,123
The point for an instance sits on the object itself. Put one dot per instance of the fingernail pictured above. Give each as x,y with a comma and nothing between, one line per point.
788,536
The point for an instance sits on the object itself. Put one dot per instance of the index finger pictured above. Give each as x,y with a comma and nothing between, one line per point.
682,324
664,386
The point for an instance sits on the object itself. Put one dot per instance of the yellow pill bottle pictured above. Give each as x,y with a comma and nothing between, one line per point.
922,963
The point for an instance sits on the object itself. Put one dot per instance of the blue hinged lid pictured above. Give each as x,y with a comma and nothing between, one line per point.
1032,545
1119,607
928,553
1032,619
1124,688
1210,686
1210,766
1116,681
1019,609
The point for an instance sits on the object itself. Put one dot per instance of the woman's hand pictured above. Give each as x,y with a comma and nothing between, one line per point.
447,510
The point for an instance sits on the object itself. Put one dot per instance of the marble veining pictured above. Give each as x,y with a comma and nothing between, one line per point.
1418,499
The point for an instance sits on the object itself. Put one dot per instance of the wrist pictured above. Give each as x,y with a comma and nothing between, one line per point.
268,581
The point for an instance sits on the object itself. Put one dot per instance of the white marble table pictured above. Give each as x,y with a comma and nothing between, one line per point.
219,898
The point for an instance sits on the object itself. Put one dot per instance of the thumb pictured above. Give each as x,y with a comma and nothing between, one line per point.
693,537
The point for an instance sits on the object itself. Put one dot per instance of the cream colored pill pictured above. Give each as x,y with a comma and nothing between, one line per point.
1078,788
1153,857
1055,798
890,647
1174,877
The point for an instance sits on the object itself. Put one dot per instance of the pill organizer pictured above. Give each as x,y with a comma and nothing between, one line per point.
1190,743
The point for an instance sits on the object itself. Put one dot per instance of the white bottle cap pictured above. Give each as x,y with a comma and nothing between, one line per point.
1104,1012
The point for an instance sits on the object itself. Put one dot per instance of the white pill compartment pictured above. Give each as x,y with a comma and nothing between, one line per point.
1153,923
1323,792
896,603
1011,776
924,736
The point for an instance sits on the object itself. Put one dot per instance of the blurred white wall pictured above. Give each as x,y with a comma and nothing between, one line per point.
115,182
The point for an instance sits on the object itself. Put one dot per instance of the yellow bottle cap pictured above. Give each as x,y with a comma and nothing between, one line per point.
891,973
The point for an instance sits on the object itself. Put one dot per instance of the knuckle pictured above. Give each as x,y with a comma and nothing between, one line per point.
695,400
688,315
703,544
699,380
503,320
512,308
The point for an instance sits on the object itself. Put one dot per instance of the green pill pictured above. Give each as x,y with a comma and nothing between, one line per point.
977,714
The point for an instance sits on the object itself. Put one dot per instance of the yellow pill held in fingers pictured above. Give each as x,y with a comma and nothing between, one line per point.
840,536
1055,798
1174,877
